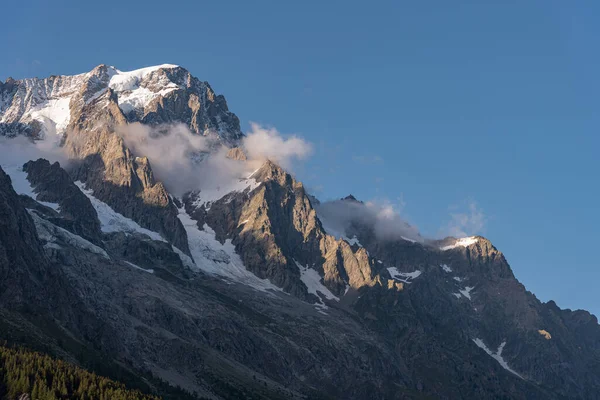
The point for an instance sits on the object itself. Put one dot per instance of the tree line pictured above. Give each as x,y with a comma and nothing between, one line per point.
24,372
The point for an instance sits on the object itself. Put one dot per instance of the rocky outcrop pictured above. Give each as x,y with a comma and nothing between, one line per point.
193,103
146,253
125,182
236,153
54,185
275,230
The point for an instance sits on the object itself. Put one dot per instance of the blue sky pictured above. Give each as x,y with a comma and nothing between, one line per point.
437,107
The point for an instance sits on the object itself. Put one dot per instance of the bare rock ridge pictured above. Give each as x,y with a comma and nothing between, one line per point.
96,267
54,185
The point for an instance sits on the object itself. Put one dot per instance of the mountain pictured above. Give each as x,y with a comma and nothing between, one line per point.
155,95
246,286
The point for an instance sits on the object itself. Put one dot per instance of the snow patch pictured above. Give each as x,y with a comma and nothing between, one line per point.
129,80
354,241
54,115
131,94
208,195
408,239
446,268
458,279
497,355
312,280
185,259
405,277
150,271
218,259
51,233
141,97
112,221
463,242
95,96
467,291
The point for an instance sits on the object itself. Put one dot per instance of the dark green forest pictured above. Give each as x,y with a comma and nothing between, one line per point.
44,378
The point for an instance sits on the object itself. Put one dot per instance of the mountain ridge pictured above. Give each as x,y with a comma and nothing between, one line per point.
43,106
242,286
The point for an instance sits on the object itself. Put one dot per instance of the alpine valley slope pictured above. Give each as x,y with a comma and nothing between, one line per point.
241,288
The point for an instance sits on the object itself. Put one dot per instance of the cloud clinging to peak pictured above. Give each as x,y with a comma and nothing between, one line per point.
263,143
381,216
20,149
471,221
174,153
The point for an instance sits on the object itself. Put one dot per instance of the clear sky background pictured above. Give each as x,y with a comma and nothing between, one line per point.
485,110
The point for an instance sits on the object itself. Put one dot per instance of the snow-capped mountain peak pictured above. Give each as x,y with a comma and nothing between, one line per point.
161,94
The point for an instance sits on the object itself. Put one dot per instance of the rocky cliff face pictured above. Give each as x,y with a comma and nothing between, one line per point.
23,263
279,237
123,181
54,185
243,290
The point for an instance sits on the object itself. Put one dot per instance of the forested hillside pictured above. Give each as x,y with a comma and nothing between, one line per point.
24,372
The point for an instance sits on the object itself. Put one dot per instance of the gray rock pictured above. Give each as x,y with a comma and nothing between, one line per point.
53,184
23,263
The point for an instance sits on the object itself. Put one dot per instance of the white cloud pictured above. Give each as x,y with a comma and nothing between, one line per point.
382,216
471,221
267,143
175,152
20,149
170,145
184,161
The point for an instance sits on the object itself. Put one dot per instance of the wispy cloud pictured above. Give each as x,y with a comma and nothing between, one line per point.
174,153
382,216
267,143
20,149
470,221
